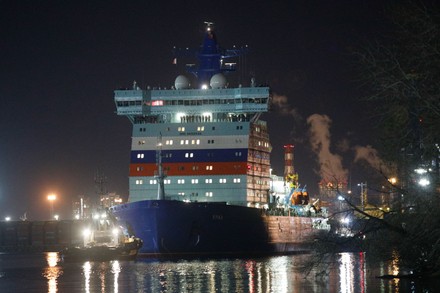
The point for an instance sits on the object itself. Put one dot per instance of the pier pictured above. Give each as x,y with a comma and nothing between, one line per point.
39,236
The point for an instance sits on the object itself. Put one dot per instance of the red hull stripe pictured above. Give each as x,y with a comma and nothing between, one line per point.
190,169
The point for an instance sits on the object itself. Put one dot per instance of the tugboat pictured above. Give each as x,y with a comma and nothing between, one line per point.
103,240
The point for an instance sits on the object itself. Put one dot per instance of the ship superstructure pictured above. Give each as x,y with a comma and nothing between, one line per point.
211,143
200,167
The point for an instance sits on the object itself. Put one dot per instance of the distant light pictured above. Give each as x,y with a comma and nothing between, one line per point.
340,197
77,217
424,182
7,219
204,86
86,232
115,231
345,220
51,197
421,171
56,217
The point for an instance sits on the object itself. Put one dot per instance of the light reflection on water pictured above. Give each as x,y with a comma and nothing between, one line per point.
349,274
52,272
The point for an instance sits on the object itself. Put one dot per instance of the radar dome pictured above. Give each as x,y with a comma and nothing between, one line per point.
181,82
218,81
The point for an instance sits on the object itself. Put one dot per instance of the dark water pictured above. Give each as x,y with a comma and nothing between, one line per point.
47,273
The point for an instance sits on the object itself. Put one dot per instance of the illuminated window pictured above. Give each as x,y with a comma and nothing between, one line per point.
189,155
194,181
139,168
181,129
186,141
237,180
208,167
141,142
208,181
222,180
167,181
200,128
208,194
139,182
238,154
169,142
182,141
181,181
157,103
153,181
140,156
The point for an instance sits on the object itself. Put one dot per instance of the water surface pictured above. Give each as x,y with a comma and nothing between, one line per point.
278,274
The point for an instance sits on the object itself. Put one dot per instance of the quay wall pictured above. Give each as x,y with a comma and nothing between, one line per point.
16,236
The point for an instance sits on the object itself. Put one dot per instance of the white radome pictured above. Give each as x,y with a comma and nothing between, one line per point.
218,81
181,82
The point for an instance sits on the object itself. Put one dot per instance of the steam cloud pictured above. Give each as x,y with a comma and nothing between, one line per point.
369,154
331,168
280,104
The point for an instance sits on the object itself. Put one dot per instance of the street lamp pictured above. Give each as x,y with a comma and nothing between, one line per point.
51,198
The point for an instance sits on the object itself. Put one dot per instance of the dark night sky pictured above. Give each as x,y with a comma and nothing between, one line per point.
61,60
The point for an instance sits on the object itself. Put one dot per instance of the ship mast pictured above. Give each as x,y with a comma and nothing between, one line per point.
160,175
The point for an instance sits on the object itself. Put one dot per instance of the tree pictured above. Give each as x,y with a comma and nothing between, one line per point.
401,74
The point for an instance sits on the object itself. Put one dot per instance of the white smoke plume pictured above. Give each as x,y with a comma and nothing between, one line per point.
279,104
369,154
331,168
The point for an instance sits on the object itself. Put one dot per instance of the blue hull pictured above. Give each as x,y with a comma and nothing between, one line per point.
175,227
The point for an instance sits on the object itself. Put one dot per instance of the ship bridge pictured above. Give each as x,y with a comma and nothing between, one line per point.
173,105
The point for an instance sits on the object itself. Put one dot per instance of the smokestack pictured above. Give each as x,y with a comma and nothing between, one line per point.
288,160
